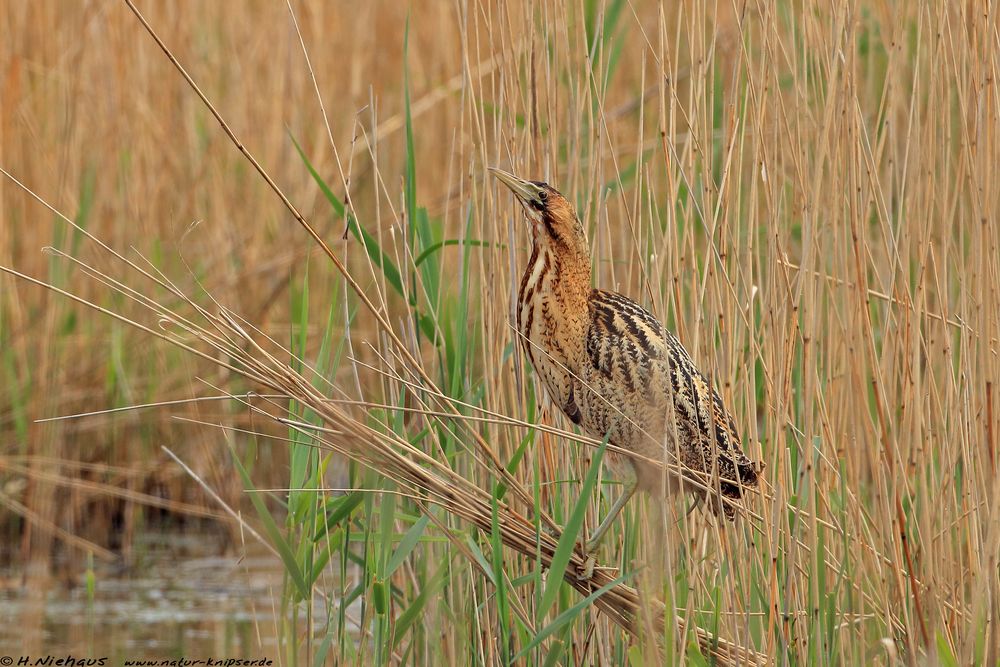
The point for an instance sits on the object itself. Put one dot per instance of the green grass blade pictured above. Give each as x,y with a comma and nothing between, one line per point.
944,652
378,257
414,612
568,616
324,647
567,541
410,182
502,604
555,652
406,545
480,557
434,247
500,488
340,508
338,206
273,532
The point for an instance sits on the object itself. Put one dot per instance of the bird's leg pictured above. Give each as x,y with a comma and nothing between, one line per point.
631,483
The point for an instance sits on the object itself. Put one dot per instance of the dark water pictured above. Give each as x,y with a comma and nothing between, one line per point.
183,597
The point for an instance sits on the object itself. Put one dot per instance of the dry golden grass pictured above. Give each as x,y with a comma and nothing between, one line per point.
807,194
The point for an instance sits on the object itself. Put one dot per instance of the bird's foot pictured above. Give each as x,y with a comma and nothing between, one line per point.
589,549
555,532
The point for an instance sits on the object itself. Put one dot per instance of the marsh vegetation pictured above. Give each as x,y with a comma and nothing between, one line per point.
806,193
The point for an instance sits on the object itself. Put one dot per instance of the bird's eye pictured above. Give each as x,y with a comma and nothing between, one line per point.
543,195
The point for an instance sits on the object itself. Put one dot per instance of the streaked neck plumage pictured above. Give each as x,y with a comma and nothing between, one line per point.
555,289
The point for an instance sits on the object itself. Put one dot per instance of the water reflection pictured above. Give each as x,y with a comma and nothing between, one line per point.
180,599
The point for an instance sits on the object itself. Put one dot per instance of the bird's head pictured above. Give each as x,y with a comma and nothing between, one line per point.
553,219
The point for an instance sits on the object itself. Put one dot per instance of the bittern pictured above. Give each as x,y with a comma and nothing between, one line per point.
616,372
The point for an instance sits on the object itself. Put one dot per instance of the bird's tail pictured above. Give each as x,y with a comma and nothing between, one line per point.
735,479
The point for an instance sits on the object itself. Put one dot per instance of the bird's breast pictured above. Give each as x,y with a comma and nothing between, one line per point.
547,327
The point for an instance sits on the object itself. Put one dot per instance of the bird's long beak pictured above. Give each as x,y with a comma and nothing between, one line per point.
524,190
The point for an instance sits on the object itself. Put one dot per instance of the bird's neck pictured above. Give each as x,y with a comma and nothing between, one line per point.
555,270
556,286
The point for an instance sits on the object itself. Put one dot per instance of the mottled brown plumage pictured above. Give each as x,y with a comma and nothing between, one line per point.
614,369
